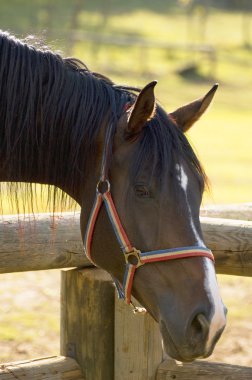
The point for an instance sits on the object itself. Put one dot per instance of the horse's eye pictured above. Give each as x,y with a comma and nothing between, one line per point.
142,191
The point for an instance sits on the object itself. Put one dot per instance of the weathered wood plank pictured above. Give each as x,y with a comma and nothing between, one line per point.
231,243
201,370
242,211
36,242
87,321
51,368
46,243
138,350
101,332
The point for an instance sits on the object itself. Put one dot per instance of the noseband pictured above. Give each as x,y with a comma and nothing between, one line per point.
134,258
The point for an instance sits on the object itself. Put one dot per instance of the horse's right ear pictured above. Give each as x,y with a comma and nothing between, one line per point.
143,109
187,115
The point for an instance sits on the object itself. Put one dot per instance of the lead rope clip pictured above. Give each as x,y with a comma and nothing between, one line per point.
138,309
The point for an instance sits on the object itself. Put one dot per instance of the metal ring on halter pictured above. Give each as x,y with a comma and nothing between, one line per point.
101,183
133,257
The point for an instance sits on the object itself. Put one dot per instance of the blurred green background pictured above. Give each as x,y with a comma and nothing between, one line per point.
186,45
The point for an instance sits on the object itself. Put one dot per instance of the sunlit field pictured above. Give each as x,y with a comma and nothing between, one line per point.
222,139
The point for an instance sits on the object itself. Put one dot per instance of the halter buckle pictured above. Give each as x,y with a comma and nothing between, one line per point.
103,186
133,257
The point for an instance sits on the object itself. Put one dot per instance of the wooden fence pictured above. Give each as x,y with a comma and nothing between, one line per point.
101,339
189,54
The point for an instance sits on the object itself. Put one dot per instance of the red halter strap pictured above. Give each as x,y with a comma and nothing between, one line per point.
133,257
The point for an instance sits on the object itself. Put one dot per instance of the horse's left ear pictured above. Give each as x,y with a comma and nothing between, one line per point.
143,109
187,115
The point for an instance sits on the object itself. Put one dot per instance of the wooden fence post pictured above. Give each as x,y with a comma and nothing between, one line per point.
138,348
87,321
101,332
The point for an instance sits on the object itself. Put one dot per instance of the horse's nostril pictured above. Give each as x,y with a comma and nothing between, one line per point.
225,310
199,326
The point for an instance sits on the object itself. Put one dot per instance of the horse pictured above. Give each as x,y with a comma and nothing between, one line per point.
129,165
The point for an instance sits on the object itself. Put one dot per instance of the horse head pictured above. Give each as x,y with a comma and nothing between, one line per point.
156,184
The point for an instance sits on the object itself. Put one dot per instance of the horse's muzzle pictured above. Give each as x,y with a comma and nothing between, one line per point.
191,343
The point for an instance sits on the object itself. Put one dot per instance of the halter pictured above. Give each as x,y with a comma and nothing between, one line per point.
134,258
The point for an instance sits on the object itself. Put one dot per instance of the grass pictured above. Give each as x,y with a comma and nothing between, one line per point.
29,318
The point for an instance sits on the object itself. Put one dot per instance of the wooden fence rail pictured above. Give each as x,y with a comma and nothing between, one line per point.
97,331
37,242
46,242
231,211
201,370
51,368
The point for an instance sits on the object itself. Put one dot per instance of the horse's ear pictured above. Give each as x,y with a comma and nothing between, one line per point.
142,110
187,115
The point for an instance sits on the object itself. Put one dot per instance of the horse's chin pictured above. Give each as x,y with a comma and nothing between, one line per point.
183,353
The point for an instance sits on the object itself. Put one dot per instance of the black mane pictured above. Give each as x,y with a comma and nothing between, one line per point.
50,104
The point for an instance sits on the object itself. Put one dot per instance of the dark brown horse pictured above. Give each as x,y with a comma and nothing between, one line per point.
54,118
